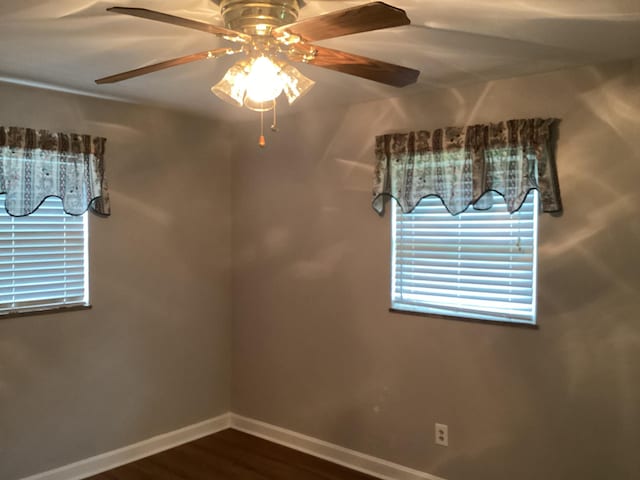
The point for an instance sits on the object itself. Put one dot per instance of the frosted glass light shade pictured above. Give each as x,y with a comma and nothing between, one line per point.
233,86
295,83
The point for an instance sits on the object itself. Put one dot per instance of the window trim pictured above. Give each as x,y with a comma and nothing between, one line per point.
506,321
502,323
44,309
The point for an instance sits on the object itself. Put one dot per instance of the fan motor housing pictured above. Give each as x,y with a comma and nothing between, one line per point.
258,17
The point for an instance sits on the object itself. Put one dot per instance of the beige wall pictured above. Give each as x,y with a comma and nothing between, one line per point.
316,350
152,355
314,346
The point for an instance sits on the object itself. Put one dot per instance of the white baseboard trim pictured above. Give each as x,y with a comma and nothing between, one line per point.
318,448
106,461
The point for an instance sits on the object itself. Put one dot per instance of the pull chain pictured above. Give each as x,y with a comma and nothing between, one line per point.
261,141
274,126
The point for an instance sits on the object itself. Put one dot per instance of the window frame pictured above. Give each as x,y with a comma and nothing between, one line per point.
54,303
533,198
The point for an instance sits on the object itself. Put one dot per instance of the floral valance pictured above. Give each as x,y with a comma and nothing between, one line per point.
462,164
36,164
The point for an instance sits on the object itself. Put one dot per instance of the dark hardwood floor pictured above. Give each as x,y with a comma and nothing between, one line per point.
231,455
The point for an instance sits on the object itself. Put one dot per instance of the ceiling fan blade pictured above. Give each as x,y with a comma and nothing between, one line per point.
182,22
382,72
364,18
166,64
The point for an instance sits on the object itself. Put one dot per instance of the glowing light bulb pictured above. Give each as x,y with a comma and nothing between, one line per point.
263,82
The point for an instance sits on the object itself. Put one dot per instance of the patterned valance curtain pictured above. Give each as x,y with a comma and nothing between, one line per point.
462,164
36,164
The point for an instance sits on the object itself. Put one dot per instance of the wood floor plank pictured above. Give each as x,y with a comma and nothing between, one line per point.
305,464
231,455
241,453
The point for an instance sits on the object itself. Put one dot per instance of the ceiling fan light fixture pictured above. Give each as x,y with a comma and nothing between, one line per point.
258,83
233,86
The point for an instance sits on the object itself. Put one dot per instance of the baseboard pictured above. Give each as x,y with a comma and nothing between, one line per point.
343,456
107,461
334,453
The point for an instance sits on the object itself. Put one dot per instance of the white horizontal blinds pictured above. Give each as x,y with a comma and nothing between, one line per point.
479,264
43,260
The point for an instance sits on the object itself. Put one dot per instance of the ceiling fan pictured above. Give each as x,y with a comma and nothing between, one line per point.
266,31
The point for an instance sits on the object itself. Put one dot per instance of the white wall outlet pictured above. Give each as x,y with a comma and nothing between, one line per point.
442,434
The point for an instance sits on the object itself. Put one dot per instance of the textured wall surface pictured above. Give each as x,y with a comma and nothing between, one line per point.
152,355
315,349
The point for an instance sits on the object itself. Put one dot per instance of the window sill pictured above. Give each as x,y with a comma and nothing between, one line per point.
527,326
47,311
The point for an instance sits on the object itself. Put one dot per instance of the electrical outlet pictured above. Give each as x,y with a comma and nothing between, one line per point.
442,434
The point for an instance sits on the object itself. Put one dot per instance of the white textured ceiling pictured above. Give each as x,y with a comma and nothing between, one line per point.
69,43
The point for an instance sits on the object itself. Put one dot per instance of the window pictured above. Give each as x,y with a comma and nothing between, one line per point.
43,259
479,264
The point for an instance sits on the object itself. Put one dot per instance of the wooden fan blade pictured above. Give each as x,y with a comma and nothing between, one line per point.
371,16
182,22
382,72
166,64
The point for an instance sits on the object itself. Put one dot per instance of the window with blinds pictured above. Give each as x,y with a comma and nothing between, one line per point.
479,264
43,259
